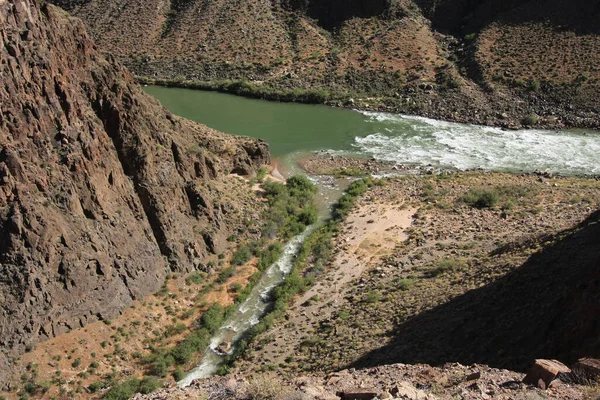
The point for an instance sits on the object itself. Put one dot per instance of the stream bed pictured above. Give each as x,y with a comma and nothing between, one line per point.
248,313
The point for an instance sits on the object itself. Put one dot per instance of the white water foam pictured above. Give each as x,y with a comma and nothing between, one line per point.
423,141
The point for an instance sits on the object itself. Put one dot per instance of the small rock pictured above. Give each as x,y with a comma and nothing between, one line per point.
541,384
357,394
555,383
473,376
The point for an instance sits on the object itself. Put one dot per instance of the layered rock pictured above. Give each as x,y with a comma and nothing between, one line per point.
102,190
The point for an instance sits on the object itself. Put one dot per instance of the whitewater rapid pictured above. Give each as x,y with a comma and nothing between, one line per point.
422,141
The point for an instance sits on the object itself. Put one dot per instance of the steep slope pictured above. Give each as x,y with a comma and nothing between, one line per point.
102,190
495,62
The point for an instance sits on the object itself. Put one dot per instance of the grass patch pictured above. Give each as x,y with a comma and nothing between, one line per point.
443,266
404,284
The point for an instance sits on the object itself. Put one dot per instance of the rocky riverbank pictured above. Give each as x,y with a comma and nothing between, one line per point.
536,112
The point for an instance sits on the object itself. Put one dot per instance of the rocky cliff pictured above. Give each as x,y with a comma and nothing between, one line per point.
508,63
102,190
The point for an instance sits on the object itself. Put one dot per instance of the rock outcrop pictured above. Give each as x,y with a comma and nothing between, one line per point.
102,190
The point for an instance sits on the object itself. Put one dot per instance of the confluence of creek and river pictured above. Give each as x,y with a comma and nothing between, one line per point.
295,130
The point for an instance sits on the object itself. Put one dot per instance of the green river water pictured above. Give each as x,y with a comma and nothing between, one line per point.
291,129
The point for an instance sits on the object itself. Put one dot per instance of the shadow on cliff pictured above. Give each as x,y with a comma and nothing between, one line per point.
547,308
467,16
331,14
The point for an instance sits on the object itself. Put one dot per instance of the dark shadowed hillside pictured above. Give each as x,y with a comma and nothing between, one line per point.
547,308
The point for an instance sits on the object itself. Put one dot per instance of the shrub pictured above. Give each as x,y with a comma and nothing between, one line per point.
178,374
373,296
264,388
213,317
261,174
241,256
96,386
404,284
533,86
160,366
126,389
195,278
123,390
444,266
480,198
530,120
148,385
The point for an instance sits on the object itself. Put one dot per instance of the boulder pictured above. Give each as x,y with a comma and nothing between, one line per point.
589,368
406,391
545,371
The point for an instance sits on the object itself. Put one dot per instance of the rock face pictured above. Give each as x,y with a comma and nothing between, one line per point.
102,190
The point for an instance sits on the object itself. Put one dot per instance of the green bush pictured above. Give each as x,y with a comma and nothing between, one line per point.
533,86
178,374
530,120
481,198
261,174
123,390
373,296
148,385
443,266
213,317
195,278
160,366
96,386
404,284
126,389
241,256
291,207
228,273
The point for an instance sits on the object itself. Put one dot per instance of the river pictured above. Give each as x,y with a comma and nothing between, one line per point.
294,129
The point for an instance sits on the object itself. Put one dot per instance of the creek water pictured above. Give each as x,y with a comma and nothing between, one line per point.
296,129
247,314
